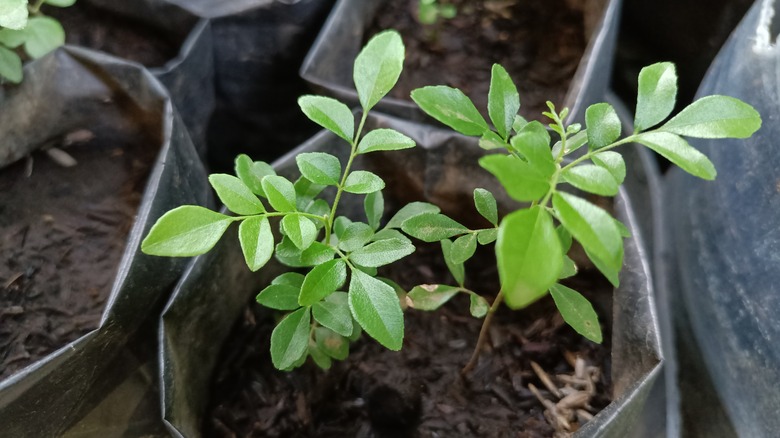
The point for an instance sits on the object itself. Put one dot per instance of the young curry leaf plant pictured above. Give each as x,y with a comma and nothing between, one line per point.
532,243
340,294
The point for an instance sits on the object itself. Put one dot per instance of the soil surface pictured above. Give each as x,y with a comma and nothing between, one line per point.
539,43
88,26
416,392
62,234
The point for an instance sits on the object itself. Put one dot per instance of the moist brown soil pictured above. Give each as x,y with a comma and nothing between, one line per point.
416,392
539,43
62,234
88,26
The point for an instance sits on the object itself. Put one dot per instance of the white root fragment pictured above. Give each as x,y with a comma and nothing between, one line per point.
61,157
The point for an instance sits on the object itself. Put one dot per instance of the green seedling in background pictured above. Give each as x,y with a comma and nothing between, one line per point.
532,242
430,11
24,29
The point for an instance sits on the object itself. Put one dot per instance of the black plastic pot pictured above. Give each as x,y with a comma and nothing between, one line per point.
328,66
722,251
189,75
69,90
443,169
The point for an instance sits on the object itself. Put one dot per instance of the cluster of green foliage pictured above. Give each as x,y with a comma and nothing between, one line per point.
430,11
327,252
24,26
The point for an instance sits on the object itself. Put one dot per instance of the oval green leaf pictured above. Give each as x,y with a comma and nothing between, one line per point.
236,196
333,312
451,107
478,306
10,66
457,270
354,236
577,311
656,95
374,206
432,227
185,231
300,230
279,297
252,173
363,182
677,150
377,67
503,100
486,205
430,296
321,281
375,306
384,140
410,210
463,248
613,162
715,117
257,241
381,252
592,179
319,167
290,339
330,114
44,34
280,193
603,125
521,181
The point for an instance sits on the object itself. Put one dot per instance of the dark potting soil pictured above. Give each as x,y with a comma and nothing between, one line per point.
539,43
62,234
88,26
416,392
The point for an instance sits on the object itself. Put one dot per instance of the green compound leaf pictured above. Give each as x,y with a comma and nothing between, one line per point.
282,293
280,193
487,236
456,269
430,296
613,162
377,67
236,196
319,167
384,140
355,236
333,312
463,248
486,205
10,66
13,14
577,311
290,339
330,114
410,210
60,3
675,149
363,182
252,173
321,281
185,231
522,181
529,256
432,227
300,230
375,306
478,306
257,241
503,100
44,34
316,254
592,179
381,252
374,205
603,125
656,95
331,343
715,117
593,227
451,107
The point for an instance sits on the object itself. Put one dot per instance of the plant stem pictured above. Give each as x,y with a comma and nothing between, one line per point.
483,333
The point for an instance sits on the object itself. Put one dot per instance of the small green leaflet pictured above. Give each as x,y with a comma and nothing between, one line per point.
236,196
321,281
389,233
715,117
257,241
675,149
478,306
577,311
333,312
486,205
300,230
363,182
13,14
355,236
430,296
185,231
573,143
375,306
613,162
382,252
533,143
410,210
12,38
290,339
456,269
603,125
451,107
316,254
656,95
10,66
319,167
319,357
529,256
374,205
384,140
463,248
592,179
330,114
252,173
490,140
282,293
432,227
377,67
593,227
44,34
487,236
521,181
331,343
503,100
280,192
